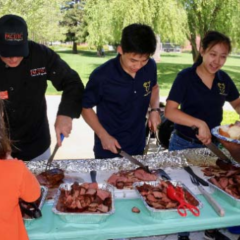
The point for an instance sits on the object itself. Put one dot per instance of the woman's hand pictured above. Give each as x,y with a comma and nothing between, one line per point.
204,135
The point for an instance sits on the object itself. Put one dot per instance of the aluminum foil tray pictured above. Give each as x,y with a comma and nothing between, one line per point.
129,193
174,159
125,193
44,190
224,195
165,213
201,157
83,217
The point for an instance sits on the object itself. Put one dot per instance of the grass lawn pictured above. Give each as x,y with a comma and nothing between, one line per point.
171,63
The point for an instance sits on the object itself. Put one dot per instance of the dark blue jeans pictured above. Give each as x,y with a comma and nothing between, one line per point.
178,143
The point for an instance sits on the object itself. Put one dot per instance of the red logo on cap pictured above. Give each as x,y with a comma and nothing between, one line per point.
14,36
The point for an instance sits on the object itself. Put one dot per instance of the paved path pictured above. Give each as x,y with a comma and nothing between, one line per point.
80,143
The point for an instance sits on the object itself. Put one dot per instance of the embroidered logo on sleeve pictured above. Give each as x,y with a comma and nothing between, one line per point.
38,72
147,85
14,37
221,87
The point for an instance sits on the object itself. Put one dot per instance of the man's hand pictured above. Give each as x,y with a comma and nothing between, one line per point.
63,125
153,121
109,143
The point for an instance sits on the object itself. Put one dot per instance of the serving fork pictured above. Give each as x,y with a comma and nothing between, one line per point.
219,210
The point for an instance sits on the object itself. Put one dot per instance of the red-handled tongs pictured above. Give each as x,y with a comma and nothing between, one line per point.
178,195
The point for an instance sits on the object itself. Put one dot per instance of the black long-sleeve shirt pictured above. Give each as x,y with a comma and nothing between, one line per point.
26,110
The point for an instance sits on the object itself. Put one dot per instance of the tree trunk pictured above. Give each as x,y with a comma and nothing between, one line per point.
74,49
100,51
194,46
156,56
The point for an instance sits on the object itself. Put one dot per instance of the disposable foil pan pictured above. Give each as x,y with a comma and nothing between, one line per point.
44,191
83,217
224,195
129,192
165,213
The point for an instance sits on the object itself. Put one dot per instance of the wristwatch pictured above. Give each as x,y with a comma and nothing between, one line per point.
155,110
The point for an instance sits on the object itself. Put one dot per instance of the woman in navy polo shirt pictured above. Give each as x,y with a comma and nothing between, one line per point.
201,91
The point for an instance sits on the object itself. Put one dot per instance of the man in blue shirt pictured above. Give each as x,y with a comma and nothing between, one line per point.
122,90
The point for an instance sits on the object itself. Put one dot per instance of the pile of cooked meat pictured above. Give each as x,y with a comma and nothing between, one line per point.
156,196
51,178
228,181
84,198
125,179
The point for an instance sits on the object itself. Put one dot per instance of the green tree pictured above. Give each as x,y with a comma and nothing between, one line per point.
107,18
42,17
204,15
74,22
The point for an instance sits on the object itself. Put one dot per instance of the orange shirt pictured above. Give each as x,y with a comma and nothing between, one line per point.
16,181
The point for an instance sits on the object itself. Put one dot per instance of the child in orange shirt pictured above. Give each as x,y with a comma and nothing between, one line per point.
16,182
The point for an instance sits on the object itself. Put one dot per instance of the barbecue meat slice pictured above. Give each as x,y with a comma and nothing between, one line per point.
125,179
51,178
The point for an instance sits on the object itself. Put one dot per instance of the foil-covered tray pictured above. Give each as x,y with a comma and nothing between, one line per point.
165,213
173,159
44,191
154,161
83,217
201,157
224,195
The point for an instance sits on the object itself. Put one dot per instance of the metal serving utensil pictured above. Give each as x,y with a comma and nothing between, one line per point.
219,210
133,160
223,162
192,173
147,145
49,161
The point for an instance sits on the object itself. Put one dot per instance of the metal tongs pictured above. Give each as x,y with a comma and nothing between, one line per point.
49,162
216,206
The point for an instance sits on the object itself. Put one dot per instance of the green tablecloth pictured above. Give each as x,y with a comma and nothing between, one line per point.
124,223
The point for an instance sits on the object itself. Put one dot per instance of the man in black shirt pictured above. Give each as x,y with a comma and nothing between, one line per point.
25,67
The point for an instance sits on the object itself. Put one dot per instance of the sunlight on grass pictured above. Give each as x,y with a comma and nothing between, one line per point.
229,117
171,63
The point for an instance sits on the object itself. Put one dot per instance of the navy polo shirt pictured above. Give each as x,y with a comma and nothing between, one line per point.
197,100
122,103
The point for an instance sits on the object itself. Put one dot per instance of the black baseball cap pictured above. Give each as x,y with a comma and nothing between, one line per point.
13,36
